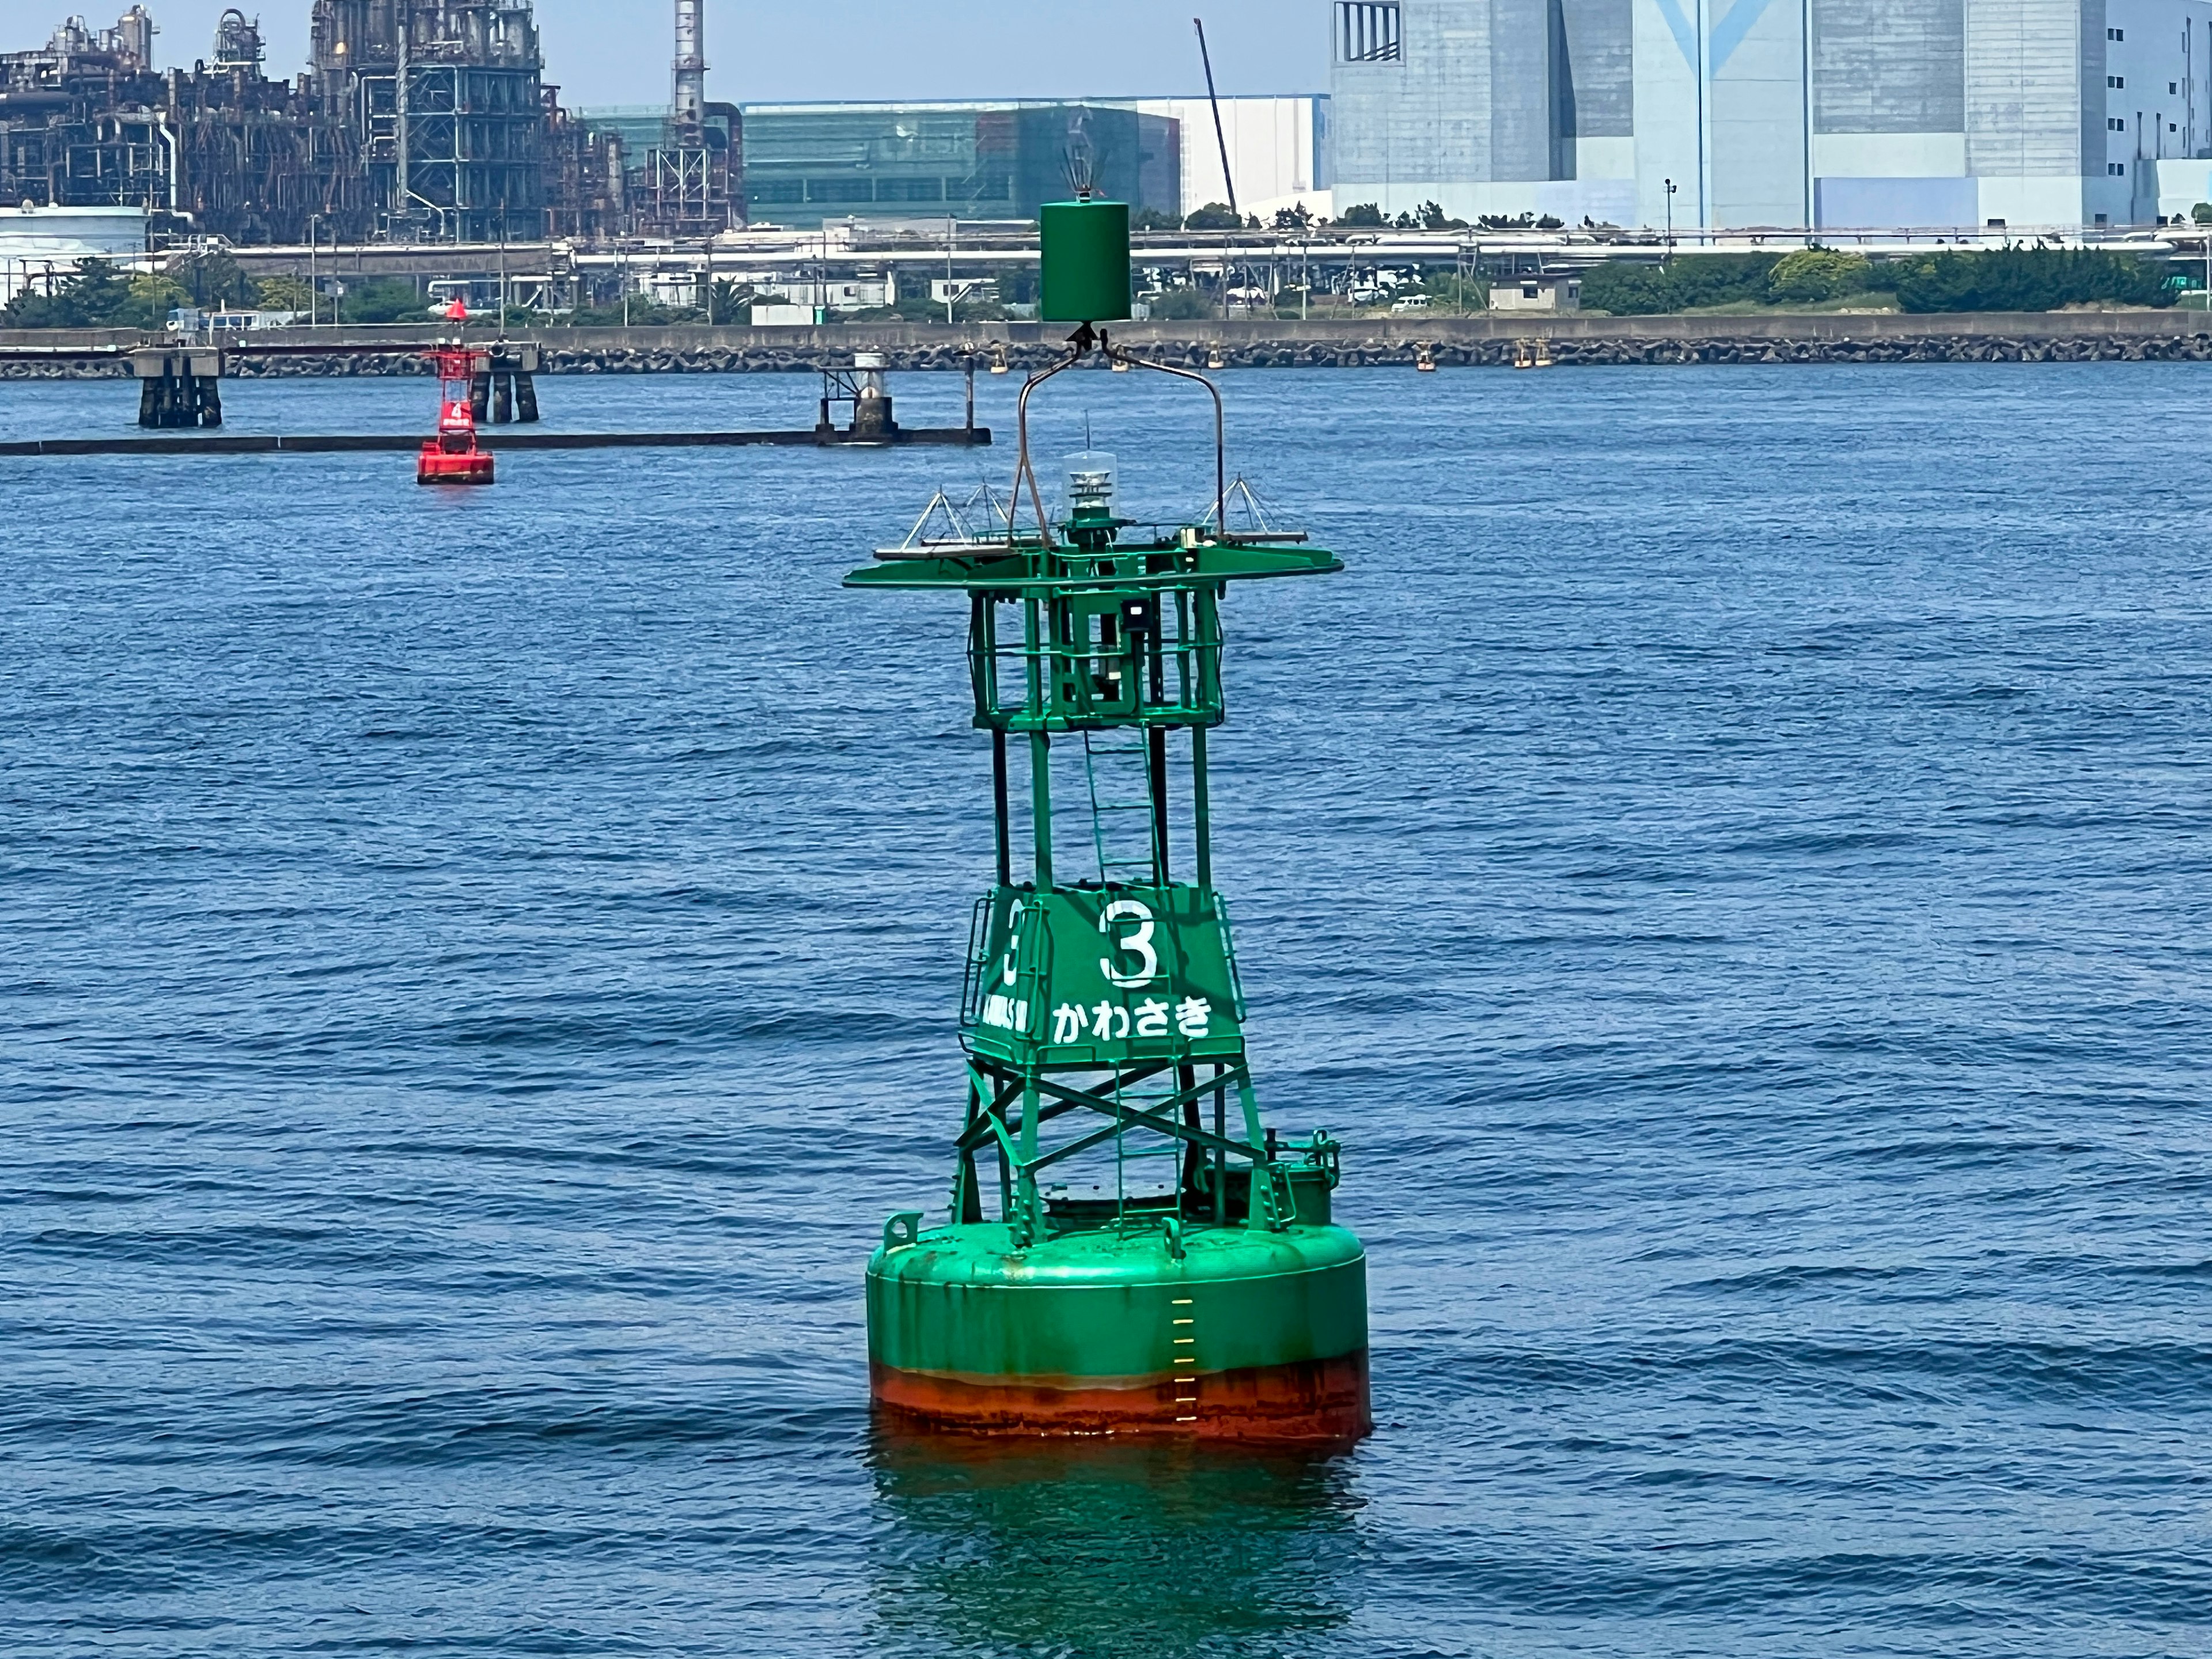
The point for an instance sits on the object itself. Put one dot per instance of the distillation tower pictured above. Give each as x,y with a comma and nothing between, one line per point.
689,186
445,102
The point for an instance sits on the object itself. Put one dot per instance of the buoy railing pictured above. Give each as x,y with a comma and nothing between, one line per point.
1024,466
1161,667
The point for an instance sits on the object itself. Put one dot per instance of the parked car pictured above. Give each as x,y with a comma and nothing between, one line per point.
1415,303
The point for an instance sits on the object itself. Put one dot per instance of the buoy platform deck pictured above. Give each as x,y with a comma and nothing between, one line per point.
342,443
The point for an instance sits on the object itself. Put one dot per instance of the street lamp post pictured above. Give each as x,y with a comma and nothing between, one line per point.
1670,218
312,220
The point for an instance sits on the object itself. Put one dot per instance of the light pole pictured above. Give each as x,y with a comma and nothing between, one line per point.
1670,220
313,220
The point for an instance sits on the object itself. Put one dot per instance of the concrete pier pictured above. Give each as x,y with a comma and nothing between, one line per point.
179,387
337,443
505,389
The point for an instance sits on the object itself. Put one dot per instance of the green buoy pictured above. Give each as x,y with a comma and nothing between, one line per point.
1127,1247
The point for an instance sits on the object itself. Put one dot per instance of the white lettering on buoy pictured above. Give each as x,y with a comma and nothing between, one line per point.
1138,943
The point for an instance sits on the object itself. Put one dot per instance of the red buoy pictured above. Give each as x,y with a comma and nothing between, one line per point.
452,457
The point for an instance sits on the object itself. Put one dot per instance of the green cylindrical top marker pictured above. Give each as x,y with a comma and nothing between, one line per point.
1086,262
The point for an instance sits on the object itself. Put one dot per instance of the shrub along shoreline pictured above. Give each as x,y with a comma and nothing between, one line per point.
2003,279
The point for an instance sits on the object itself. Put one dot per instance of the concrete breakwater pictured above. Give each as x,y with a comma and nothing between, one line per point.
1478,342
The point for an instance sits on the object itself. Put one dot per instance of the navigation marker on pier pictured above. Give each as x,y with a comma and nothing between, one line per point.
1197,1286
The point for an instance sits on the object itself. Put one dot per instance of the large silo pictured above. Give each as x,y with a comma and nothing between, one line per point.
1482,105
1889,124
1720,113
1594,89
2035,103
1889,67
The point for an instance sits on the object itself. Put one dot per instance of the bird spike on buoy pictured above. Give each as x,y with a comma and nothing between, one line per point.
452,457
1146,1255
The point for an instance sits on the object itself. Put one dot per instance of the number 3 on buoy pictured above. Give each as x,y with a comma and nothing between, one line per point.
1137,942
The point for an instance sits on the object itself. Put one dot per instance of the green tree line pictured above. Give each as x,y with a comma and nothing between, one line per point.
98,295
2005,279
95,294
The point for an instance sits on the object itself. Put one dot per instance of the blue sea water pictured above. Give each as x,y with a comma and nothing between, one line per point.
1729,858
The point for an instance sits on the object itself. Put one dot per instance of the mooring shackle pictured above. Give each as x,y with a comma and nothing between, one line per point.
1273,1197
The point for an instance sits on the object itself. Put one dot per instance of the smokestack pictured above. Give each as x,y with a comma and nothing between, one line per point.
690,104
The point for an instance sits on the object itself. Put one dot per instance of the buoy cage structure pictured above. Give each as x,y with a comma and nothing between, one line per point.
1127,1249
454,457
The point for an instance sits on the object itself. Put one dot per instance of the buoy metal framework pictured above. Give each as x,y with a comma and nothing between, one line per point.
452,457
1197,1286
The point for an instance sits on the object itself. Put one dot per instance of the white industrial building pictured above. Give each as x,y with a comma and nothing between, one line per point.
1277,150
39,247
1743,115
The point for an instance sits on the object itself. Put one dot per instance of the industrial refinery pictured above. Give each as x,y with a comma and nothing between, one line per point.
427,121
416,120
433,121
423,143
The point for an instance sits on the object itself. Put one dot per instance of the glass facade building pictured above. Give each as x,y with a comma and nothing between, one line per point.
804,163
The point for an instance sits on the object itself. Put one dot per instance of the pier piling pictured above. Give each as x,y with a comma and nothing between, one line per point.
179,387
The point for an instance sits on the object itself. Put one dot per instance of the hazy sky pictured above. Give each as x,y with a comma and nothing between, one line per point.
616,52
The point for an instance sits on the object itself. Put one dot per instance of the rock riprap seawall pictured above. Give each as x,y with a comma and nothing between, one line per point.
1449,343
